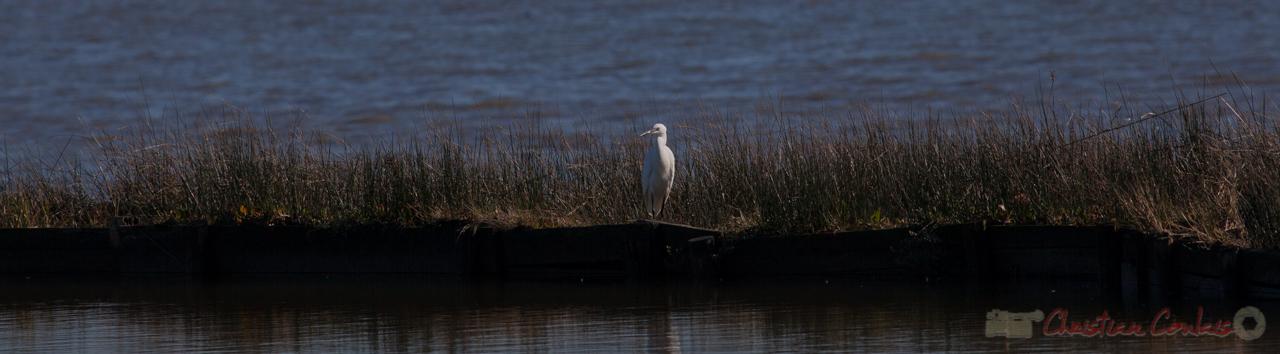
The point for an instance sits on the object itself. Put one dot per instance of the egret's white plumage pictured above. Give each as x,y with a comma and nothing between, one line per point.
659,172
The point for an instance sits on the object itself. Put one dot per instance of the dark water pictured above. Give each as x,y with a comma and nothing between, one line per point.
412,314
364,66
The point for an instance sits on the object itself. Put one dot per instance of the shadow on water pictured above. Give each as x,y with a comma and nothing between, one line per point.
281,313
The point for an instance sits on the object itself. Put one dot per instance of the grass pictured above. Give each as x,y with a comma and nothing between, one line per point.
1202,165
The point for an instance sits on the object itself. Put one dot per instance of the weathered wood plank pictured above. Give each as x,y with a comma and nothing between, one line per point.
356,250
1052,262
834,264
860,252
1259,268
58,261
1040,237
54,239
855,242
524,248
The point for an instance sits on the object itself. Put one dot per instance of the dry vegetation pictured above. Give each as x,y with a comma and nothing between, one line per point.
1201,165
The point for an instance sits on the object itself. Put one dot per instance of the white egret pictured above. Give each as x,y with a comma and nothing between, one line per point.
659,172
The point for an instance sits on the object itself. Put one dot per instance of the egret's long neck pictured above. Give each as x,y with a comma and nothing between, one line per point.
662,139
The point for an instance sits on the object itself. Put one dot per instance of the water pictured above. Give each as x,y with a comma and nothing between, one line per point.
370,313
368,66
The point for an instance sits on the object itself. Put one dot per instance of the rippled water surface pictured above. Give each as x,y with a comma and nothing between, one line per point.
317,313
362,66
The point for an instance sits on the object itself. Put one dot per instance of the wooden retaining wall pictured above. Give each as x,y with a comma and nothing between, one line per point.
642,248
1114,257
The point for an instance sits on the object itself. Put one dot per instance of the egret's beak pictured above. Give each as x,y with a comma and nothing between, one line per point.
651,131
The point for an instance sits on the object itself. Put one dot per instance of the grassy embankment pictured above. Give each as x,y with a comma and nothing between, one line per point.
1204,166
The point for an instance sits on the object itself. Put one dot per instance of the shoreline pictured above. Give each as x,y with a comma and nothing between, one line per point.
1117,258
1206,166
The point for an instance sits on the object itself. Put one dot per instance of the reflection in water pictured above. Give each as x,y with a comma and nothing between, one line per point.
418,314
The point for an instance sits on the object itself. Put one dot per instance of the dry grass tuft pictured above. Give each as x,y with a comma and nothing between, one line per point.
1203,166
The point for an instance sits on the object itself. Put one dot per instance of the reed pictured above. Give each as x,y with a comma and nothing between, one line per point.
1203,166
